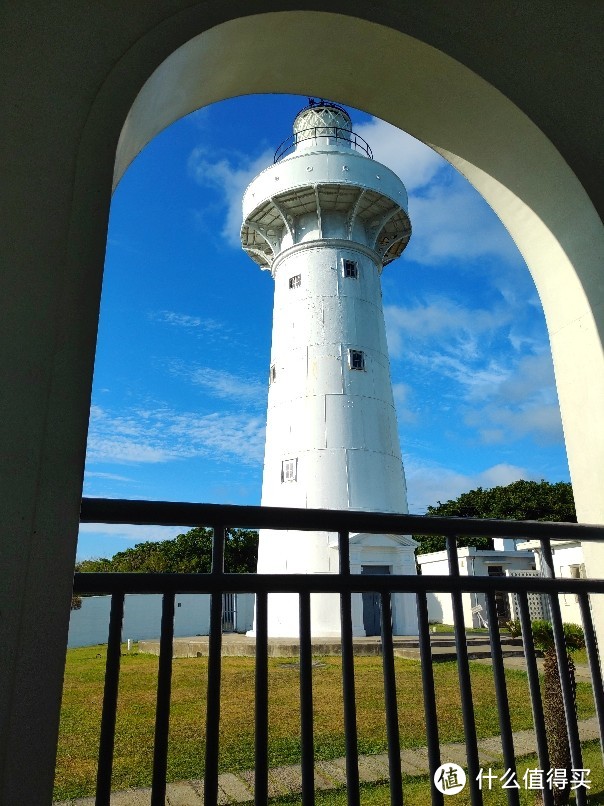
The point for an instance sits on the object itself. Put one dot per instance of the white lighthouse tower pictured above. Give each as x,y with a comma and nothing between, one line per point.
325,219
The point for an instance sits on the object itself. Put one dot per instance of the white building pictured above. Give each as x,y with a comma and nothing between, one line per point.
503,560
324,220
568,563
508,558
142,616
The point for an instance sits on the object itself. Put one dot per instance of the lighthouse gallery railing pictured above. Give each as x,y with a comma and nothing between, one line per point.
343,523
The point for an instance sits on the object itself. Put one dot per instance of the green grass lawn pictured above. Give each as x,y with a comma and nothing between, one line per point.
82,699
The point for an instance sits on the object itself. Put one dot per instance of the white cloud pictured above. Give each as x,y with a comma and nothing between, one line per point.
132,532
222,384
430,483
125,451
478,379
200,118
443,318
498,424
534,375
415,163
402,394
236,436
109,476
452,222
162,435
185,320
522,404
230,175
501,395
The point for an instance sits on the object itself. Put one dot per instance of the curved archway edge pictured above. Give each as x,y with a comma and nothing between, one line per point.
482,133
77,74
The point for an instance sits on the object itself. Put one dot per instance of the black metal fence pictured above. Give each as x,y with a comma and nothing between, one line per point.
345,584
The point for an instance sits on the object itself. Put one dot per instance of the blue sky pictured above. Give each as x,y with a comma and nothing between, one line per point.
180,381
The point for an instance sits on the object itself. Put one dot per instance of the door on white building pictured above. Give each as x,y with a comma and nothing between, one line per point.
229,612
372,610
501,599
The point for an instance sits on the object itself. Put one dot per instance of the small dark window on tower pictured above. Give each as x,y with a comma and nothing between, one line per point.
272,374
289,470
356,359
295,282
351,269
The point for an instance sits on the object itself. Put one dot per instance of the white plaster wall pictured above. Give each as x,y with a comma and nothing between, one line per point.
440,607
338,422
142,617
564,557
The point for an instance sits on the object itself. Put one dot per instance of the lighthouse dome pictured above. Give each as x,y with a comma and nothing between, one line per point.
322,119
322,115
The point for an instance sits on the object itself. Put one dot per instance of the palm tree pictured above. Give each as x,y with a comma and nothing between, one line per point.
553,704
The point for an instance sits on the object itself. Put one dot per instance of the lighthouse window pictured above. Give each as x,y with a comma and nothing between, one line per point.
295,281
289,470
356,359
351,269
272,374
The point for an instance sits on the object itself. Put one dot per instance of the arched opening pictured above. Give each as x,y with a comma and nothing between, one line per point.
437,100
488,139
186,317
411,84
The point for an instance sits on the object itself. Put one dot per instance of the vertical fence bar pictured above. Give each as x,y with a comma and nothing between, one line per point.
350,708
162,711
306,703
392,731
463,670
594,664
425,654
570,711
535,691
214,670
261,710
112,676
503,708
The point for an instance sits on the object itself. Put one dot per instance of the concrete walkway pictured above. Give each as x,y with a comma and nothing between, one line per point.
239,788
442,648
405,646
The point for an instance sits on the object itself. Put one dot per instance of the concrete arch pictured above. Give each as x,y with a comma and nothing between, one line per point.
481,132
76,73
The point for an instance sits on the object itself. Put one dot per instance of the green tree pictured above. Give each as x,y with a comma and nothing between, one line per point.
521,500
188,553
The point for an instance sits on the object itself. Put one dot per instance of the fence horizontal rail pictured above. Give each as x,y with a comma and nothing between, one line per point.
322,583
174,513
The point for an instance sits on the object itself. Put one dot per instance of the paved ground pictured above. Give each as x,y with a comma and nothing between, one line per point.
442,645
406,646
239,788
